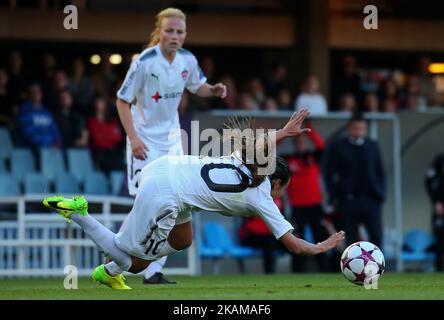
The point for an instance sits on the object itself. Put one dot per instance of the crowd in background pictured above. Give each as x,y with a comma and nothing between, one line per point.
72,107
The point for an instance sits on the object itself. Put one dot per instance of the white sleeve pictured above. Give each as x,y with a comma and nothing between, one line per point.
270,213
196,79
133,82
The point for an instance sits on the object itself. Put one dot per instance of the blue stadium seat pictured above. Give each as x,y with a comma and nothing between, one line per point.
416,243
22,162
79,162
216,236
51,162
2,166
6,143
66,183
96,183
36,183
9,185
117,178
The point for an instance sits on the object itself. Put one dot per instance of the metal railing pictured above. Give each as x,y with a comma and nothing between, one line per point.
42,244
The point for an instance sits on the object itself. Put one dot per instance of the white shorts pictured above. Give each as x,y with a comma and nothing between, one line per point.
154,214
134,166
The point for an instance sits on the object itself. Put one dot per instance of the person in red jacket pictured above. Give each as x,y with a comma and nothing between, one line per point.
254,232
305,193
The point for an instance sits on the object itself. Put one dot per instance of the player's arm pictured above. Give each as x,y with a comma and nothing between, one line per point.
139,149
300,246
219,90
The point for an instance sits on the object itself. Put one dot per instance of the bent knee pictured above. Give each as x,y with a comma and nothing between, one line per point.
138,265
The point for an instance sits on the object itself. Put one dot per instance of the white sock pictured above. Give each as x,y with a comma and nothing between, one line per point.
166,250
155,266
113,268
104,239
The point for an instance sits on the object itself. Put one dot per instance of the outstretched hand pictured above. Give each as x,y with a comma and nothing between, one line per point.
294,125
332,241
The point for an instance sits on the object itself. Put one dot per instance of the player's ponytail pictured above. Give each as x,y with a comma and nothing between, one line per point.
247,147
167,13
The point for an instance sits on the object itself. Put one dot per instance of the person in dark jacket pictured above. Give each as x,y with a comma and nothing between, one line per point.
355,181
435,188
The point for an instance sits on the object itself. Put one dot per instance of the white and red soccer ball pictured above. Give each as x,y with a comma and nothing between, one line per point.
362,263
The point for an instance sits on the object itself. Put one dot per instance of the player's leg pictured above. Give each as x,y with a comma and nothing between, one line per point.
153,274
77,210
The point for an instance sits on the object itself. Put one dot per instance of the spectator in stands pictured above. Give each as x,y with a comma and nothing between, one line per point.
276,81
72,124
425,81
270,105
81,86
255,233
59,84
47,74
348,80
256,90
347,103
105,80
434,183
355,181
284,99
371,103
311,98
246,102
208,68
414,100
17,78
35,123
389,105
105,137
390,92
304,193
6,104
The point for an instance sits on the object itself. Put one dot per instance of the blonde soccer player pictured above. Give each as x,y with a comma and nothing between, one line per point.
149,98
159,223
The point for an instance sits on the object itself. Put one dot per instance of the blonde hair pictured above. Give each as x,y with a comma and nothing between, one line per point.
248,148
167,13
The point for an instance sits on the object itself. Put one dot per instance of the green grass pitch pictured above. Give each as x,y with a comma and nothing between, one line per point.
226,287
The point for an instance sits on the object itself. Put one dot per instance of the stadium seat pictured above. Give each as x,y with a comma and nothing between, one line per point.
2,166
117,178
66,183
9,185
216,236
206,252
79,162
6,143
36,183
416,244
51,162
22,162
96,183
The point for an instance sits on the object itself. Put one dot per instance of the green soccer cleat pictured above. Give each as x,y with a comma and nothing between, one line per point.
66,207
117,283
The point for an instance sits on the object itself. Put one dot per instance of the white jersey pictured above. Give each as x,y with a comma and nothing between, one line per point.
154,88
216,184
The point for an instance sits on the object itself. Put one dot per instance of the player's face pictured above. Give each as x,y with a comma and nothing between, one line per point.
278,189
172,34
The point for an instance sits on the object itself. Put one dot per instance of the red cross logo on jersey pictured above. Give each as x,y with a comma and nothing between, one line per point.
157,96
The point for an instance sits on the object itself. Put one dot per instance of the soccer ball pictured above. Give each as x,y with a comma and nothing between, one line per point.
362,262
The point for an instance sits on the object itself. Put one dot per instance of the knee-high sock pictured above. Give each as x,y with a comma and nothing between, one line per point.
104,239
157,265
